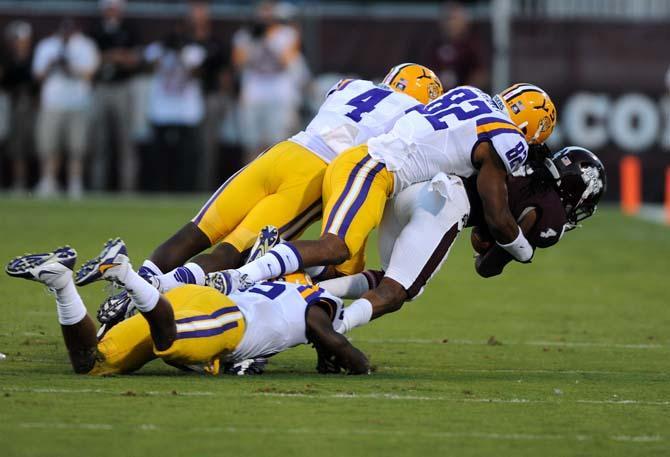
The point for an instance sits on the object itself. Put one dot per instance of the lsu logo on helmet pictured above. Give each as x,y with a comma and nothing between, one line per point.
531,110
414,80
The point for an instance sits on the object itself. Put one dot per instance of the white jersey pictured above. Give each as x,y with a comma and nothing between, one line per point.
441,137
274,312
355,110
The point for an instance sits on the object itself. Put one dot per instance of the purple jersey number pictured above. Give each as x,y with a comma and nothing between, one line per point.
516,156
460,102
366,102
268,289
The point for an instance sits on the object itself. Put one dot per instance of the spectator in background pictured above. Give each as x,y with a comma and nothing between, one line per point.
17,80
457,55
64,64
176,109
113,105
267,57
217,85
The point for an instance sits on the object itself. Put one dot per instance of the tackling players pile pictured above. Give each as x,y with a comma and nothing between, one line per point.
402,156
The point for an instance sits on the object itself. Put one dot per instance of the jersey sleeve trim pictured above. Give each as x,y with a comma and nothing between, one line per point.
310,293
341,84
489,127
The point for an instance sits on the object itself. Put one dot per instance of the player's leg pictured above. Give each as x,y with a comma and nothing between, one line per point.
220,214
437,217
113,265
290,178
276,188
354,286
292,200
189,325
355,190
54,270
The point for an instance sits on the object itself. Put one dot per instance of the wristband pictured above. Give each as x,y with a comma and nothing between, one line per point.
520,248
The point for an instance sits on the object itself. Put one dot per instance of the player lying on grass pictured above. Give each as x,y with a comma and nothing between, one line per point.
422,222
189,326
464,132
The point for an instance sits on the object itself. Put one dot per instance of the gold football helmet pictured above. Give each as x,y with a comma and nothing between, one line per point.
531,110
414,80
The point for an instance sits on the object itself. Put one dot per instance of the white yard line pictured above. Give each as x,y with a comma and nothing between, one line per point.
389,396
337,396
495,436
130,392
522,372
508,343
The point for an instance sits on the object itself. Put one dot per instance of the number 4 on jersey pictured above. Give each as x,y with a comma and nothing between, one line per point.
366,102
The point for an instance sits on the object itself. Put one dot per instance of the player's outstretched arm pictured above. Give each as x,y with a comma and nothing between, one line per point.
493,262
320,332
492,189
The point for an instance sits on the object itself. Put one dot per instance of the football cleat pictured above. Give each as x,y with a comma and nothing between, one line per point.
52,269
246,367
113,310
116,308
113,254
267,239
228,281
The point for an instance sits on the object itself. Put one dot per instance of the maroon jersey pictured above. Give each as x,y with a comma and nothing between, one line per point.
523,196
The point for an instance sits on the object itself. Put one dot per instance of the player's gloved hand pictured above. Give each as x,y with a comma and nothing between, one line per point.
537,153
326,363
246,367
357,363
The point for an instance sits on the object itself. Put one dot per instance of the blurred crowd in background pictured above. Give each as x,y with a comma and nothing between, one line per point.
95,108
177,95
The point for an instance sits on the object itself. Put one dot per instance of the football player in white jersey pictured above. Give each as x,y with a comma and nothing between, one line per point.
283,186
190,326
421,223
463,132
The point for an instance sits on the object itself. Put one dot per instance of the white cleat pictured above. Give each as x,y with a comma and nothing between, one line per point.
53,269
266,240
114,254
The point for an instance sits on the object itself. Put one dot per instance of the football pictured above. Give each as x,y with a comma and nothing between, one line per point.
481,240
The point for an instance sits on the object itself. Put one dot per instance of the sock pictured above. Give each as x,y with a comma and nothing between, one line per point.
280,260
315,272
191,273
149,269
357,314
347,286
143,294
69,305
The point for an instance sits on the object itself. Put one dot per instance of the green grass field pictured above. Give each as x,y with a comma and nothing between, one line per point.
567,356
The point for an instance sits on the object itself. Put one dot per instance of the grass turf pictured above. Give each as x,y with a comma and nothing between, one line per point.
567,356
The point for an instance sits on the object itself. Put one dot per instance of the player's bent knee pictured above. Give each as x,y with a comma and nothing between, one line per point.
335,250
